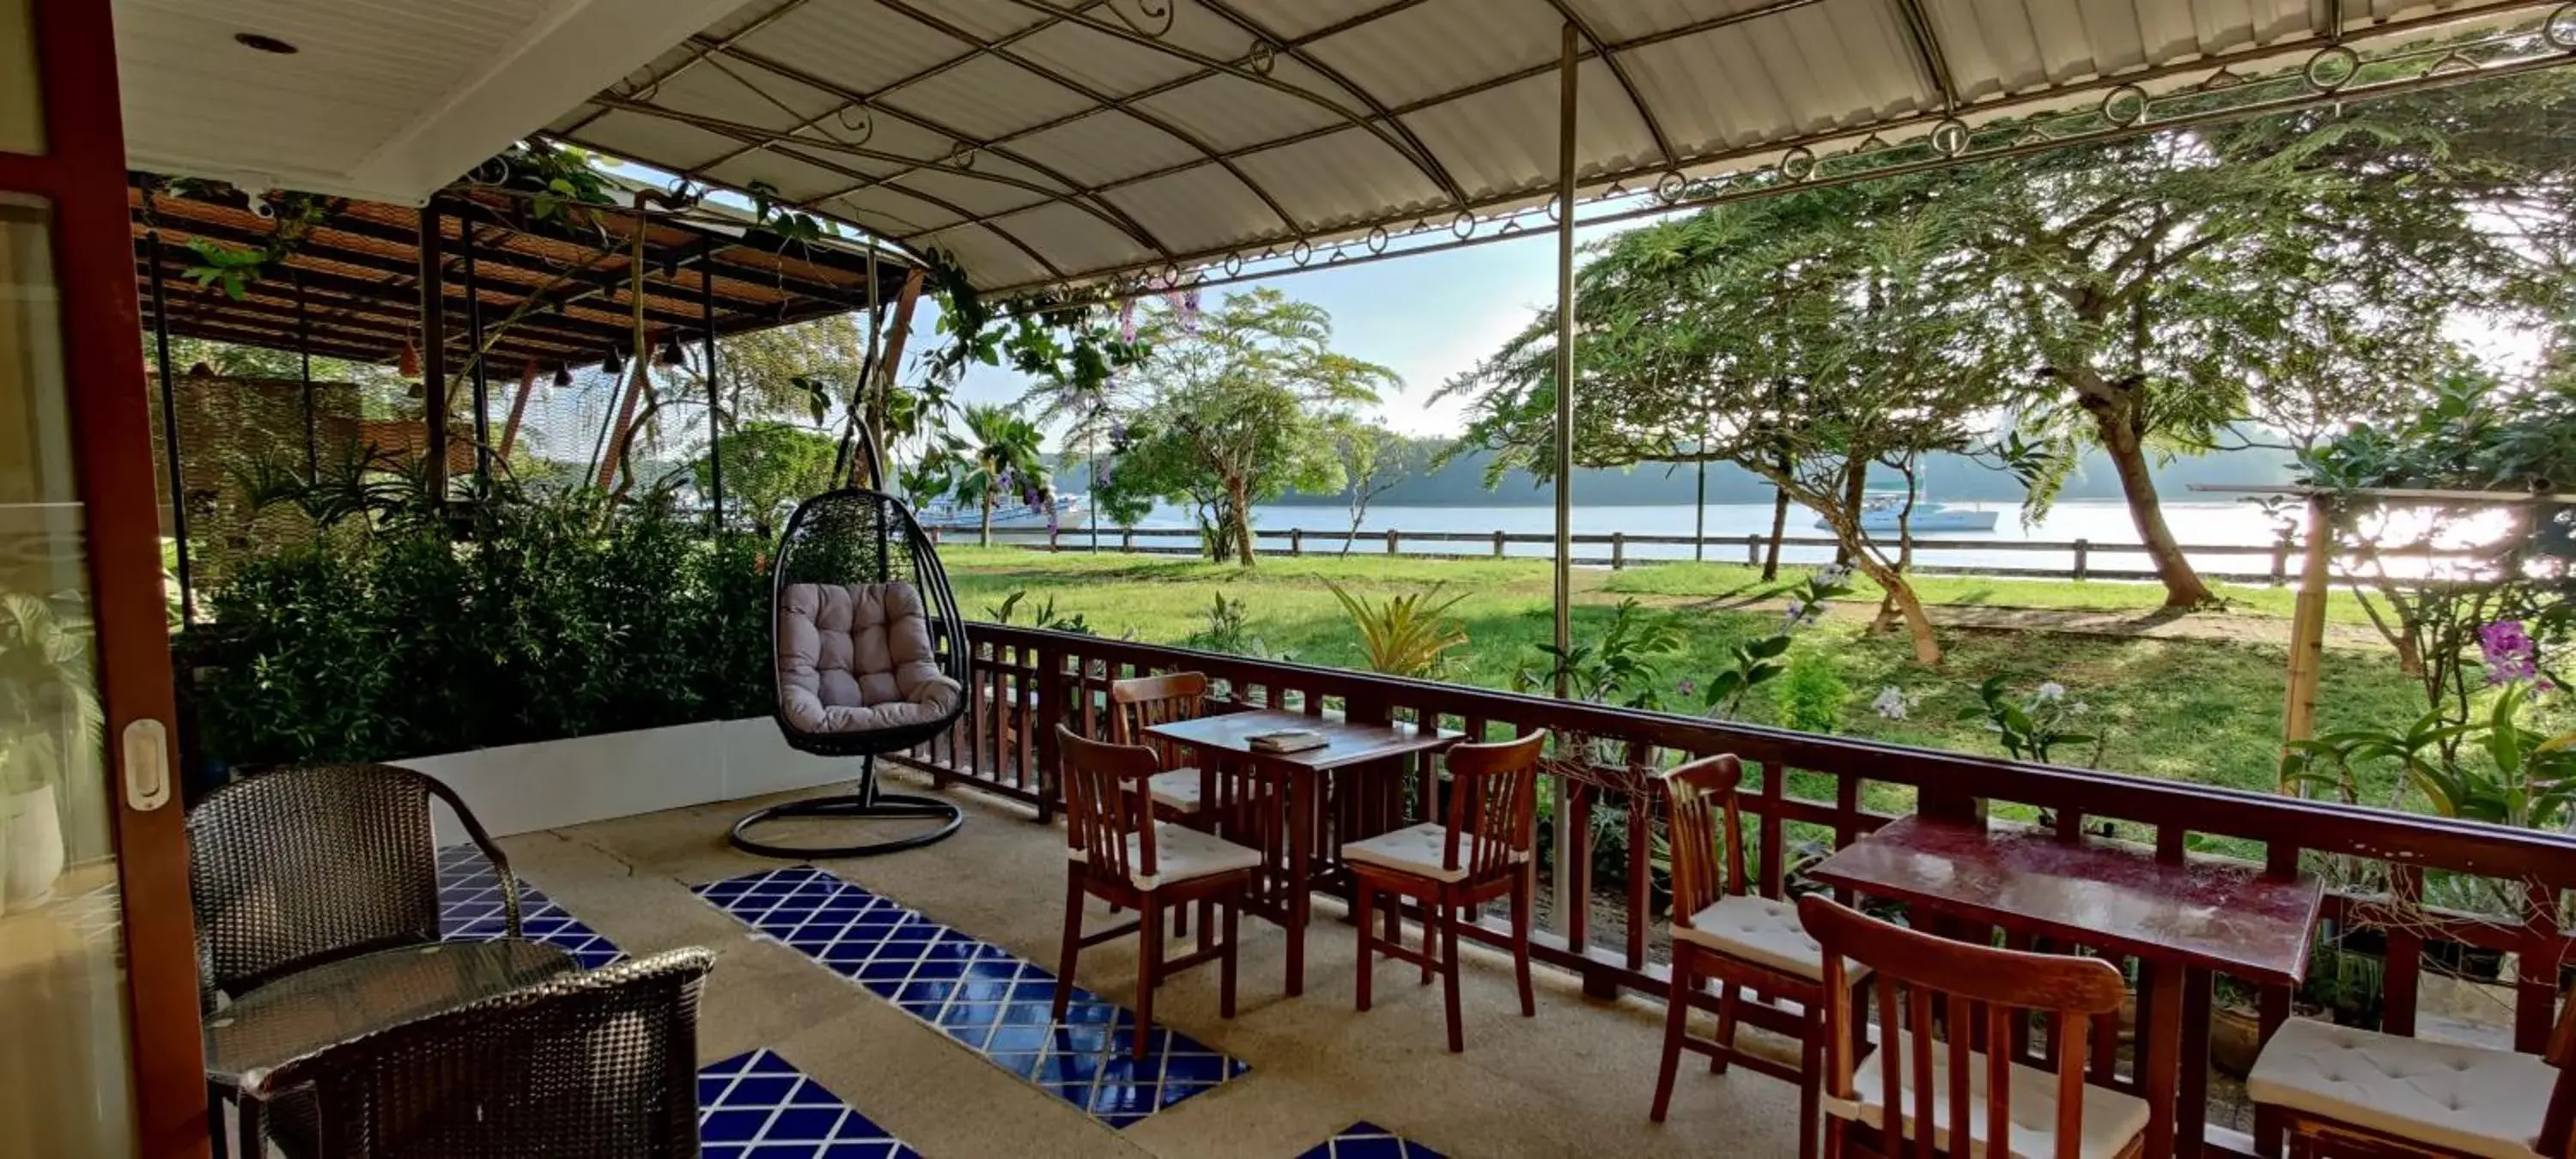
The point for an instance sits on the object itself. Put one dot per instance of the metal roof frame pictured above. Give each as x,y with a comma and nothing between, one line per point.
993,183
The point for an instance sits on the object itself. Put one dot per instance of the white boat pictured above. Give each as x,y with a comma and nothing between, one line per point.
1880,512
947,514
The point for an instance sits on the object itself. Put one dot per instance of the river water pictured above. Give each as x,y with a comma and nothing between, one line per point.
2105,524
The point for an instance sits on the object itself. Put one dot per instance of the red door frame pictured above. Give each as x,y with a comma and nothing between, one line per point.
83,176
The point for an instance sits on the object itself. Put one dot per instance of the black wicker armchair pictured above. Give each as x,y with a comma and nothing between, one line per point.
585,1065
302,866
871,659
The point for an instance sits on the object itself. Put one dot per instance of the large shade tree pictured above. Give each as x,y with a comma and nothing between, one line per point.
1236,406
1805,339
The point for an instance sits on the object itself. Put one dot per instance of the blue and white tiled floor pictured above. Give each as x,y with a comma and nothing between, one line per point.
759,1106
469,899
979,994
1369,1141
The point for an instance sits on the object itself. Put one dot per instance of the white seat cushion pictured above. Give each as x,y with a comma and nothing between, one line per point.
1176,790
1762,931
1418,851
2111,1120
1181,855
2464,1098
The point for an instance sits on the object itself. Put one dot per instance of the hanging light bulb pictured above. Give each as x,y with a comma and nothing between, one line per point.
563,375
613,364
671,355
409,364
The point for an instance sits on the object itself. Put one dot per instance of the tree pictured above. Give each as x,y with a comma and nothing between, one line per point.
1235,407
2296,270
769,465
1805,338
998,456
1373,462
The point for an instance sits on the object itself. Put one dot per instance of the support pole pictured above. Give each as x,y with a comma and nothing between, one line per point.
170,437
2308,632
715,400
433,352
518,409
304,357
1568,876
481,384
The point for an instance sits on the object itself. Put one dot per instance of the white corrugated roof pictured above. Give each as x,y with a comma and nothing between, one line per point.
1049,141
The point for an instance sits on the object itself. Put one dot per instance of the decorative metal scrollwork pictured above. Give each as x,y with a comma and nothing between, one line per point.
2125,106
1377,239
1233,264
2560,29
963,156
1798,164
2331,68
1463,225
1151,17
1950,137
1302,252
1555,209
866,126
1670,187
1263,57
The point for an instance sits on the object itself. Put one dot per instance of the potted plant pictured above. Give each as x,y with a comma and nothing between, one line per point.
48,706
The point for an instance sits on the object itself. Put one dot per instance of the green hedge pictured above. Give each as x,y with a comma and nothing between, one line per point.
551,620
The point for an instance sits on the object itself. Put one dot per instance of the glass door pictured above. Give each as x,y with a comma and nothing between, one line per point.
98,1020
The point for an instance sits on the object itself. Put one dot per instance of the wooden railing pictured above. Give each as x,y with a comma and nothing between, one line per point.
1811,793
2084,558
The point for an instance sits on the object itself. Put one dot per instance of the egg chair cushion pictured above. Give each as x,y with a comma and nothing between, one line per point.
858,658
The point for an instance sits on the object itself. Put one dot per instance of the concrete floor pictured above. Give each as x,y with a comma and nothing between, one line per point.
1575,1080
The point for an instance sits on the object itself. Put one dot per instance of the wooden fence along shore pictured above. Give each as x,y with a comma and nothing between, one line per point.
2277,567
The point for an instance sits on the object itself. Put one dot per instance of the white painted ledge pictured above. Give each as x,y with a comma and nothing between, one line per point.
552,784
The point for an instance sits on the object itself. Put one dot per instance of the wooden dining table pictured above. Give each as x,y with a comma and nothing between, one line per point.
2186,920
1348,746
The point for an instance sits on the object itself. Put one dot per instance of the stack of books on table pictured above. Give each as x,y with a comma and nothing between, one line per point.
1285,740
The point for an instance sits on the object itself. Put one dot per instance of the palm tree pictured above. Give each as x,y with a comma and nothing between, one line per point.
1000,452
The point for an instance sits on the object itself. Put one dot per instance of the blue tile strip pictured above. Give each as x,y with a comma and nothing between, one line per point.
469,901
992,1002
759,1106
1369,1141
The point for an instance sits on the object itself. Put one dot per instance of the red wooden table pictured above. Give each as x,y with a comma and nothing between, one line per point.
1348,746
2187,920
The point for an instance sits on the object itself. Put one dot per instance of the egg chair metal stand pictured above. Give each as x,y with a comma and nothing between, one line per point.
870,658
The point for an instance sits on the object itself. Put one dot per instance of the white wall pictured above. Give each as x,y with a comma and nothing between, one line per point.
551,784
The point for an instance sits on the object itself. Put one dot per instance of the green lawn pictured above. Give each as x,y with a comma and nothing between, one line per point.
2189,710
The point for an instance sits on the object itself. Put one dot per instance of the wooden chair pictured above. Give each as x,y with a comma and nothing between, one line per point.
1117,852
2342,1091
1180,792
1914,1087
1724,932
1483,852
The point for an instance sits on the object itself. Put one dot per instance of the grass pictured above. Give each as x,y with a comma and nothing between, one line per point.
2188,710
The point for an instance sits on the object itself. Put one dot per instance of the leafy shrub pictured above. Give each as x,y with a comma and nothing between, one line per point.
1811,693
556,620
1404,635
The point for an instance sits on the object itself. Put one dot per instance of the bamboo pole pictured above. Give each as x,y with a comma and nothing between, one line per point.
518,409
2307,633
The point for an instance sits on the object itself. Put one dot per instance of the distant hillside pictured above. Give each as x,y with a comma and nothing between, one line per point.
1945,477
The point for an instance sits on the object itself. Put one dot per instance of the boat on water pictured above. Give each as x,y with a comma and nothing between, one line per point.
1881,511
947,514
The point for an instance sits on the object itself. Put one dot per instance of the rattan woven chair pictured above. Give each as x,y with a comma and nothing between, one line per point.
587,1065
300,866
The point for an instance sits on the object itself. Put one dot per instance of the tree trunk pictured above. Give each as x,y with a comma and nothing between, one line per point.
2128,453
984,533
1699,513
1238,501
1855,496
1779,530
1927,650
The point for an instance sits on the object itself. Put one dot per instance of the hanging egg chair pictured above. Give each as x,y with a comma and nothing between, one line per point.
871,659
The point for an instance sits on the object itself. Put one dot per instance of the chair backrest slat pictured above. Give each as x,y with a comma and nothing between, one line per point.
1493,795
1705,818
1105,803
1976,987
1141,702
2558,1122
